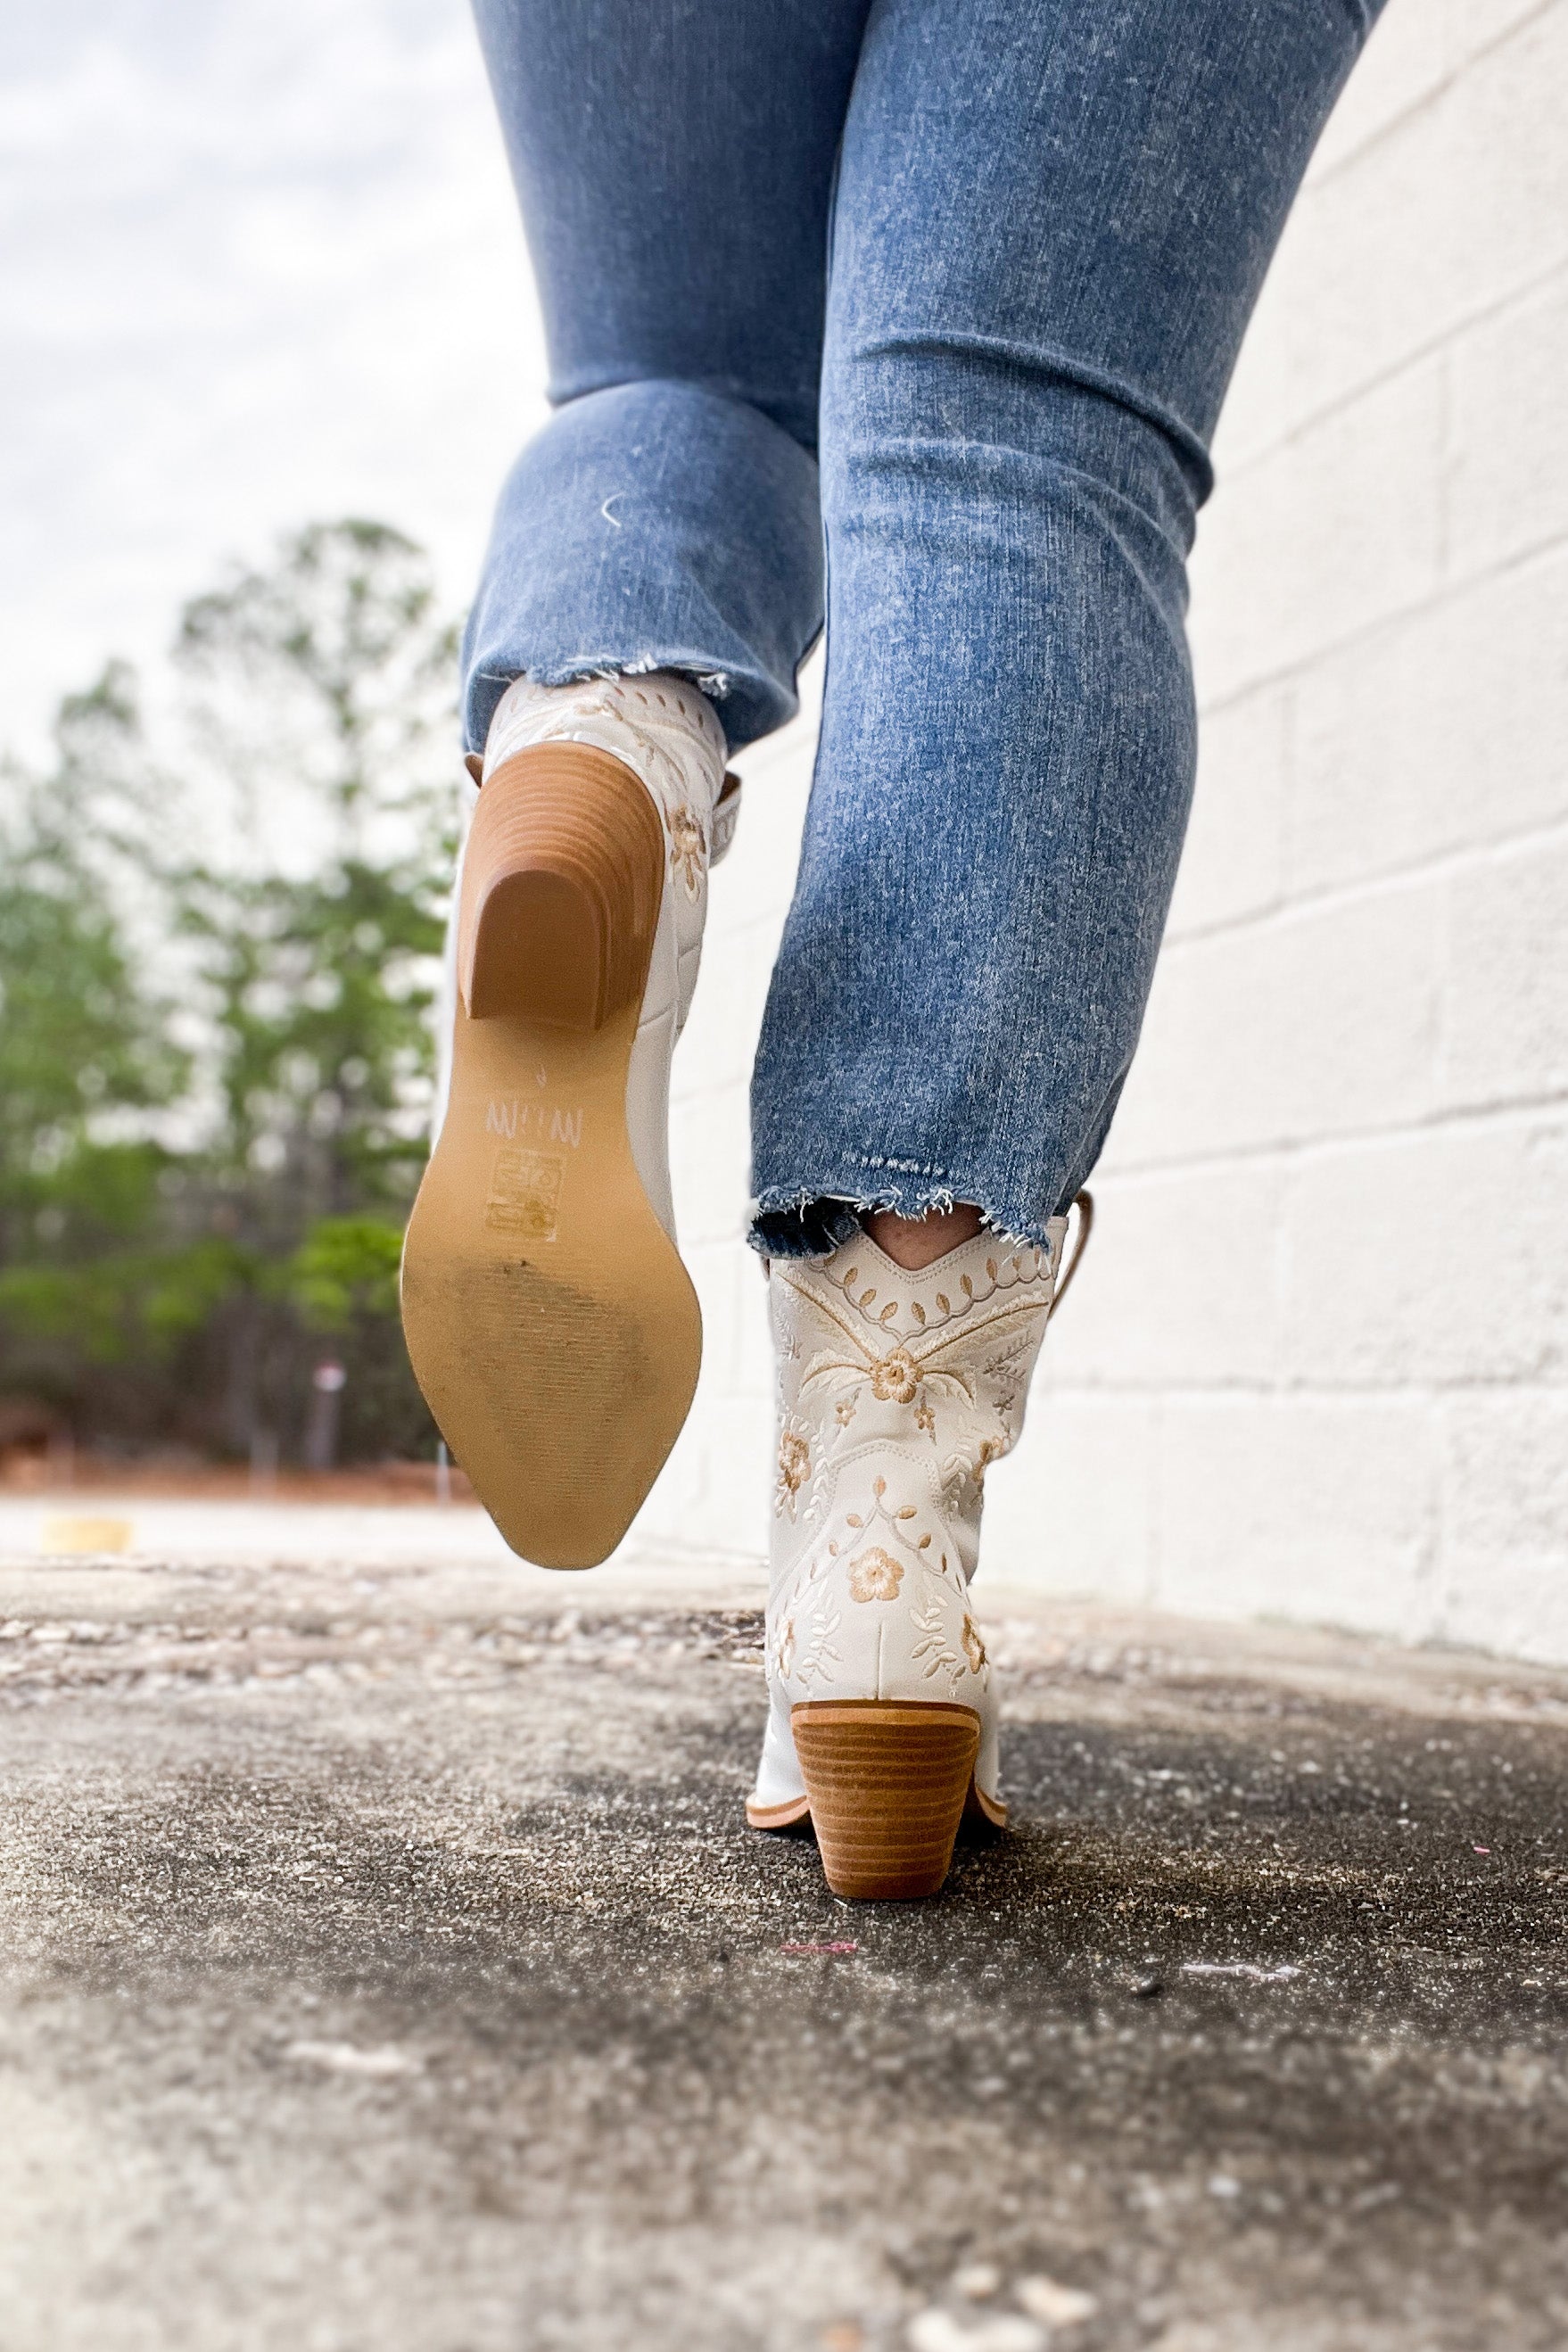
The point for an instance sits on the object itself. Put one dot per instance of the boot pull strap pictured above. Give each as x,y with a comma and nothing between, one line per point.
475,763
1084,1204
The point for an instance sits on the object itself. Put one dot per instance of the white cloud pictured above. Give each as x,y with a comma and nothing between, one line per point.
262,265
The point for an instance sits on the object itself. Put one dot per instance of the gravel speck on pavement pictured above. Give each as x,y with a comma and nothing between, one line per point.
387,1967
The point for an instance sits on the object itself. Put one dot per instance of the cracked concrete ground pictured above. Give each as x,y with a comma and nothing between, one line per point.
387,1968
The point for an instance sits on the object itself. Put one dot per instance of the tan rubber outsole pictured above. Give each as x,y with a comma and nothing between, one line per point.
550,1322
887,1783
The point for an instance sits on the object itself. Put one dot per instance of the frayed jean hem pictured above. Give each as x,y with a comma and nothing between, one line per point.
812,1221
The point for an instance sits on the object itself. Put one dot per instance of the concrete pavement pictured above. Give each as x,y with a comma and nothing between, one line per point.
387,1968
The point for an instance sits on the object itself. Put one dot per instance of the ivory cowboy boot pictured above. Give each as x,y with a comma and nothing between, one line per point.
549,1321
896,1390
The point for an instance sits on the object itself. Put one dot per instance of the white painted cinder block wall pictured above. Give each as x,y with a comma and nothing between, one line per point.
1318,1364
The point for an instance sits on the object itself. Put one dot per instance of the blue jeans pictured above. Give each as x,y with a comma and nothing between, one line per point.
948,291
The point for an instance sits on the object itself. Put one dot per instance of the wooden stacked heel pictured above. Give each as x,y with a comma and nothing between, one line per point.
888,1781
550,1322
562,880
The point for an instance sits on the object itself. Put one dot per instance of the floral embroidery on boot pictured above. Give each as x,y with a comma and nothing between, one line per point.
876,1575
897,1392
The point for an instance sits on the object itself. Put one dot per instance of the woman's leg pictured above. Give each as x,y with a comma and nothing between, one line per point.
1051,224
674,163
674,159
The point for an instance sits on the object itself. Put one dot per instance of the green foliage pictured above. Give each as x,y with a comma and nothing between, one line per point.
346,1267
218,960
323,1008
83,1041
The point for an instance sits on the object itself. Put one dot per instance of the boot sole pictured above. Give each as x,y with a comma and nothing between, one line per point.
888,1784
550,1322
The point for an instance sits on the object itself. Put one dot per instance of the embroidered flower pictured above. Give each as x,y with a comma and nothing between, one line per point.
844,1411
688,848
794,1467
895,1377
925,1419
875,1575
974,1647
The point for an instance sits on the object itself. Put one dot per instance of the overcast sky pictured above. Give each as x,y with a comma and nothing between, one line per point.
259,264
